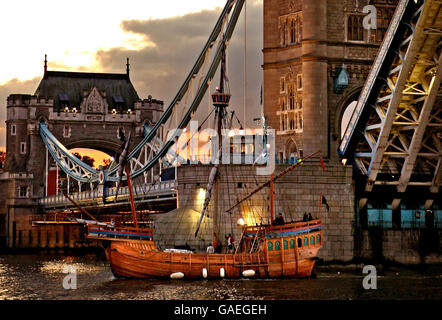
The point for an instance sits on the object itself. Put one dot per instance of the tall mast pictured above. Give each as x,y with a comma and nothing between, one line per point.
220,100
132,206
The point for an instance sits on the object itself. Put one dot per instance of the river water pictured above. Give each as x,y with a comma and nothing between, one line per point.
38,276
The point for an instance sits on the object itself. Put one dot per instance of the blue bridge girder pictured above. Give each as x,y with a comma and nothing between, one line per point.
394,134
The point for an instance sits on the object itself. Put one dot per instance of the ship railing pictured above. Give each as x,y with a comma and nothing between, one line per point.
284,227
95,231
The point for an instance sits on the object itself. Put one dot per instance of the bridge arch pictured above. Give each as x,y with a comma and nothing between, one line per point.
343,109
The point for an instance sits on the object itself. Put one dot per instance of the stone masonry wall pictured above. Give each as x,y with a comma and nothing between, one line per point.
295,193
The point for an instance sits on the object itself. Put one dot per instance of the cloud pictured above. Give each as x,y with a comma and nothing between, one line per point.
160,69
173,45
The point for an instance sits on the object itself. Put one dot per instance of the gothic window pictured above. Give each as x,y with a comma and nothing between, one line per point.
23,191
282,85
291,107
282,103
292,122
13,130
23,147
292,31
283,33
66,131
355,29
291,93
291,28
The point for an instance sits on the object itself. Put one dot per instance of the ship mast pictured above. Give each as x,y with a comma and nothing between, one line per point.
220,100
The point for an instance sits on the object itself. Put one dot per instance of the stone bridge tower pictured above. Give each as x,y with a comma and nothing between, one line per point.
317,55
82,110
307,44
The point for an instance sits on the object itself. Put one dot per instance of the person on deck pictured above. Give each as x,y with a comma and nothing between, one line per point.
279,220
310,218
230,241
216,245
305,217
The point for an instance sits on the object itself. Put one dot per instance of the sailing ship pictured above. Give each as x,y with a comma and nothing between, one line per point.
273,250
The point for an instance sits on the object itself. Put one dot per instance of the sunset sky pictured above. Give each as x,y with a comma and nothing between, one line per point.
161,38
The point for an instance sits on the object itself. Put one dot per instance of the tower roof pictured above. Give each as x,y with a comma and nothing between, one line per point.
73,84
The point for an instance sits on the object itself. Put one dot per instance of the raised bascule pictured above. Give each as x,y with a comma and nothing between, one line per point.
382,178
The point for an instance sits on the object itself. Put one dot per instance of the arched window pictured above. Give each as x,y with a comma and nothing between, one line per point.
355,29
305,241
286,245
291,92
299,242
292,31
270,246
312,240
318,238
292,243
277,245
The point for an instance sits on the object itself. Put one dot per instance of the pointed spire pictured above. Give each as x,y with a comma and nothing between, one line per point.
46,65
127,67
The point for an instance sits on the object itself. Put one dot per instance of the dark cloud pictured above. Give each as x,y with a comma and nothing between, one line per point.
159,70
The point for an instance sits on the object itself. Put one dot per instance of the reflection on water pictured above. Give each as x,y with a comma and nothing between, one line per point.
41,277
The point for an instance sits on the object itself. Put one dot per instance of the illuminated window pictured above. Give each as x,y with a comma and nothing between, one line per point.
270,246
66,131
305,241
318,238
286,245
312,240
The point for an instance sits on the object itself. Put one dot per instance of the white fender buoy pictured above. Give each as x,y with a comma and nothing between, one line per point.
248,273
222,273
204,273
177,275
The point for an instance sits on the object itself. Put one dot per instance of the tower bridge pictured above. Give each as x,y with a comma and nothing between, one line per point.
319,61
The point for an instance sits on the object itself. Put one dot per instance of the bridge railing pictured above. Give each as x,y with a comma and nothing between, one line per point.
141,190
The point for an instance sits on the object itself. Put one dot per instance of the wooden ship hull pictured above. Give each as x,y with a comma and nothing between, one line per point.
287,251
